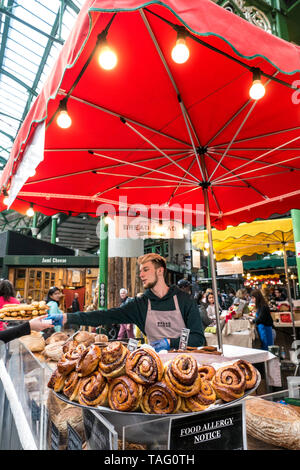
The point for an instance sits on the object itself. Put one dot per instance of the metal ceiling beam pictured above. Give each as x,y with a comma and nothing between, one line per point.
6,12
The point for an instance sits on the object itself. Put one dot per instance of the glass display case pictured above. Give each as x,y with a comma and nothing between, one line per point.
33,417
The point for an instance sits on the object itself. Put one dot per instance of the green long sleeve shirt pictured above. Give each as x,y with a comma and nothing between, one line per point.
135,311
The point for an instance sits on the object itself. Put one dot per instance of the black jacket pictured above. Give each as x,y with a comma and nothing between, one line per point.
15,332
135,311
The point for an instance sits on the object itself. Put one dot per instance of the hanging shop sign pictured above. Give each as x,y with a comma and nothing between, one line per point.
229,267
35,260
196,259
140,227
219,429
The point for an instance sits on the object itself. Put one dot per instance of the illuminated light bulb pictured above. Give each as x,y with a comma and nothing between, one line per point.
180,52
30,212
5,201
63,119
257,90
205,253
107,58
206,245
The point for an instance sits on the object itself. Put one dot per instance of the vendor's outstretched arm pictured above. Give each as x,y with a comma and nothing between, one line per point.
101,317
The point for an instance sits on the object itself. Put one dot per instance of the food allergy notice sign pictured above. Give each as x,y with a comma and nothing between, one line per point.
219,429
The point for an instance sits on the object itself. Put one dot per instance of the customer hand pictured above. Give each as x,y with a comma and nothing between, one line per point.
160,344
37,324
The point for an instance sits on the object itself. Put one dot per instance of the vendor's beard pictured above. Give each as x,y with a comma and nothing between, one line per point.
152,284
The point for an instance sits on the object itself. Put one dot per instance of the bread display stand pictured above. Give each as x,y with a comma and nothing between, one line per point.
55,424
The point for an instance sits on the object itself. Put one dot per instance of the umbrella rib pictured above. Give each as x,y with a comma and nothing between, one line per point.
263,162
182,106
258,176
136,177
228,122
140,166
119,116
221,178
258,169
66,175
247,185
247,139
179,184
160,151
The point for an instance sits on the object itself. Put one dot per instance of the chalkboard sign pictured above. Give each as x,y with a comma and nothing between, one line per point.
55,437
100,434
74,440
218,429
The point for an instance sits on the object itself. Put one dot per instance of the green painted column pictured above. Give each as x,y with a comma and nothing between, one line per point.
34,229
54,228
295,213
103,264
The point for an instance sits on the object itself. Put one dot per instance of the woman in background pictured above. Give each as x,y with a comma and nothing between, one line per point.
263,319
54,313
7,296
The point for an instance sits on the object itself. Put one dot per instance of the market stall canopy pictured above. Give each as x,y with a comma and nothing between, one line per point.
262,236
151,130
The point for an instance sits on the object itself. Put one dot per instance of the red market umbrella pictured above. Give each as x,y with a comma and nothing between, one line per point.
151,130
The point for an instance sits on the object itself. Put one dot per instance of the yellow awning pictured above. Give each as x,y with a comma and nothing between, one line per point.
263,236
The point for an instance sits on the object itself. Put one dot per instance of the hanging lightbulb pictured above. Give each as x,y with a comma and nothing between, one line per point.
107,57
5,199
206,245
30,211
180,52
205,253
63,119
257,90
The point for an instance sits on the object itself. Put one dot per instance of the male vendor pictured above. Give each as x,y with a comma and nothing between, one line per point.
160,313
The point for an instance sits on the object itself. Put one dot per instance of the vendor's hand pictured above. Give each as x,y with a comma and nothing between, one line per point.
160,344
37,324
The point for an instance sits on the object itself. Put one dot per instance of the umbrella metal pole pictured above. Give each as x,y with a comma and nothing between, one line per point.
289,290
213,269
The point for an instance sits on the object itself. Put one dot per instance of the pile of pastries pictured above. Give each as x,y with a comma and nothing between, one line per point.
23,311
110,375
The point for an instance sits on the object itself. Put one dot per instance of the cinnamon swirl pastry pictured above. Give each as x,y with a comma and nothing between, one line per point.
57,381
69,346
88,361
113,359
160,399
204,398
229,383
249,372
71,386
124,394
93,390
144,366
181,374
206,372
68,361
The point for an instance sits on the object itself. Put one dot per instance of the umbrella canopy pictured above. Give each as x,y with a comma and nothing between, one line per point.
154,131
262,236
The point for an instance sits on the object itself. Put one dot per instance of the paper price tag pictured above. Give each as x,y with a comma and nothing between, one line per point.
184,338
132,344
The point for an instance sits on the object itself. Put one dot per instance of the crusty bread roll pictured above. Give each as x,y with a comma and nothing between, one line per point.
58,336
101,339
85,337
35,341
273,423
54,351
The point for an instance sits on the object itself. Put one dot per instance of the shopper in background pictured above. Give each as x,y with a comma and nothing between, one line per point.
241,300
25,328
126,329
203,312
75,303
263,319
279,295
54,313
7,293
210,308
185,286
7,296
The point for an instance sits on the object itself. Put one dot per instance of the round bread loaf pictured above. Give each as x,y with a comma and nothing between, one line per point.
273,423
